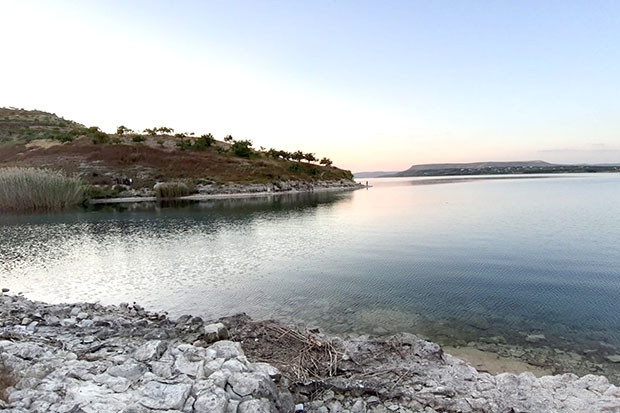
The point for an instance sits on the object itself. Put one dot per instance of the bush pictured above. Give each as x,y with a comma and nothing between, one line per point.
138,138
184,144
167,190
203,142
242,148
38,190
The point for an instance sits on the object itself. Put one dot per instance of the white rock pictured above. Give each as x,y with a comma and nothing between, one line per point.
214,332
255,406
161,396
252,384
226,349
129,370
151,350
214,400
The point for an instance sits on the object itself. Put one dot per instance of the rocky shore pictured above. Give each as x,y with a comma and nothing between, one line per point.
232,190
88,357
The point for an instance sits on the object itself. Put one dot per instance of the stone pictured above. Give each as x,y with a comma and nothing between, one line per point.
252,384
150,351
188,367
267,369
226,349
68,322
214,332
614,358
535,338
359,406
161,396
116,384
215,400
255,406
234,365
129,370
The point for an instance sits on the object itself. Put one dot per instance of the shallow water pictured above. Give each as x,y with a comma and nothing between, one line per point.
454,259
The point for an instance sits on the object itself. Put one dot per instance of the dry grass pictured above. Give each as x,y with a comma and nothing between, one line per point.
300,356
38,190
171,190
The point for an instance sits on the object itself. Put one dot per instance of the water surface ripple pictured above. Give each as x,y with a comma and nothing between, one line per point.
458,261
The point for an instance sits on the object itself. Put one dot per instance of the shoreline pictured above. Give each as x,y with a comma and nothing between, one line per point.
105,358
234,191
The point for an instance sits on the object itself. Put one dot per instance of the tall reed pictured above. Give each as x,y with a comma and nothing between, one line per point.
38,190
169,190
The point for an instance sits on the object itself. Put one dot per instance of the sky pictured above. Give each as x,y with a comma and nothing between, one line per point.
373,85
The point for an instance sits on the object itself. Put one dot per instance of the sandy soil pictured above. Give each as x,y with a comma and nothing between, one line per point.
492,363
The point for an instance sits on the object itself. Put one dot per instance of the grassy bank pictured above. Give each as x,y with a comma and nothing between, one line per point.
38,190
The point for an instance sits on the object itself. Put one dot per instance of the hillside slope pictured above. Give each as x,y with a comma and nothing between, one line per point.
41,139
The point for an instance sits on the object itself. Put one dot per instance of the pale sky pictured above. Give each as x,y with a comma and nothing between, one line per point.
374,85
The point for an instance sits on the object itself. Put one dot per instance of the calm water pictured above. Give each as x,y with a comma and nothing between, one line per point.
451,259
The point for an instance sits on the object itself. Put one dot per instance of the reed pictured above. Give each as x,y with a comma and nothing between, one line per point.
169,190
38,190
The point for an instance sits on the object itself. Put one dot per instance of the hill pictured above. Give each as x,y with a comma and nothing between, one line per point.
500,168
32,138
373,174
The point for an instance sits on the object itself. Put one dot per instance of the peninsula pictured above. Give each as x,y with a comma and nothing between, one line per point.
157,161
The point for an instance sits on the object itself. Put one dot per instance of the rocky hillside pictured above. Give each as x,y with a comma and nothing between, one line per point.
41,139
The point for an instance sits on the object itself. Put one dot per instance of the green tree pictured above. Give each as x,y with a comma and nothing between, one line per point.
326,162
204,141
121,130
228,138
242,148
298,156
309,157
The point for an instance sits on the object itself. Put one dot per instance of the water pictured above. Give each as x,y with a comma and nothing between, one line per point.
454,259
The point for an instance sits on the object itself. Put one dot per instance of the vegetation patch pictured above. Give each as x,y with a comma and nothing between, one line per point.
38,190
168,190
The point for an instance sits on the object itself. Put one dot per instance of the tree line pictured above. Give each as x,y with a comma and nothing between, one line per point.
242,148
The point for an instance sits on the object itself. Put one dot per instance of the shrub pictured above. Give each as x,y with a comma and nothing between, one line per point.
203,142
34,190
138,138
242,148
184,144
167,190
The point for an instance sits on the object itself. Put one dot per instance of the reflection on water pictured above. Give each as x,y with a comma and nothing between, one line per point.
465,261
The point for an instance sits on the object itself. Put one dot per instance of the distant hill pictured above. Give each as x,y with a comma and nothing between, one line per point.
373,174
33,138
500,168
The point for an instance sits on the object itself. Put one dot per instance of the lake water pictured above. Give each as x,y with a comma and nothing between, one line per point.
456,260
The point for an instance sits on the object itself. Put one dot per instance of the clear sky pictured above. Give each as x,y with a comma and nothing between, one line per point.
374,85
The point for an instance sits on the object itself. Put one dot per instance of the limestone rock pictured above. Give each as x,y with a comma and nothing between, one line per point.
226,349
214,332
151,350
161,396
